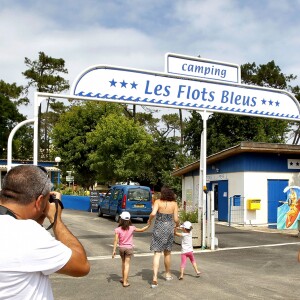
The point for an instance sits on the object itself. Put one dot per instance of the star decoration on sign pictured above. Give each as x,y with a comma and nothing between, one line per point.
113,82
123,84
133,85
270,102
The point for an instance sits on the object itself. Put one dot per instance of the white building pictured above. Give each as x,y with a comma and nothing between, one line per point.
246,172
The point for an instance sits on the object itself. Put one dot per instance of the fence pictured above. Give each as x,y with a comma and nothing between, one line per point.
76,202
236,210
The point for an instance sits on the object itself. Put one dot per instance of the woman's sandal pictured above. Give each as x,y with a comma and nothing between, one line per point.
180,278
198,274
126,285
169,278
154,284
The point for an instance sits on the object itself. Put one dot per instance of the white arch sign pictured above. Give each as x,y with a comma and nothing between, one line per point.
117,84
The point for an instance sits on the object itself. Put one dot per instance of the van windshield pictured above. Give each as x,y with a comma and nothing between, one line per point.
138,195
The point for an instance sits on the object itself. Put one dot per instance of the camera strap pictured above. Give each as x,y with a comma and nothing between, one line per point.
56,201
5,211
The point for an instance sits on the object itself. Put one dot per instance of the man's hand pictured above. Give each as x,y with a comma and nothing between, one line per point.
50,209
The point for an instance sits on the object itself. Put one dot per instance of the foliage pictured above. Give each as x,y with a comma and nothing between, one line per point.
174,182
13,92
10,117
192,133
121,149
44,75
191,216
225,130
69,138
71,191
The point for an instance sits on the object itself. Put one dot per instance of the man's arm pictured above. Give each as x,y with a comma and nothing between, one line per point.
78,264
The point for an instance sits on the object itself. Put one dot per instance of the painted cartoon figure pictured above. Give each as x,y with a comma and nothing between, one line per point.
294,205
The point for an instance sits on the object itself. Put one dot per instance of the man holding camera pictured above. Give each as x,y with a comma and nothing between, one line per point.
28,252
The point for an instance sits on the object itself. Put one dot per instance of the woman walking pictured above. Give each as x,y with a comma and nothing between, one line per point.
166,212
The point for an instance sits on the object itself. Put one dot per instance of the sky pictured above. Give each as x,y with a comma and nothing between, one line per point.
138,33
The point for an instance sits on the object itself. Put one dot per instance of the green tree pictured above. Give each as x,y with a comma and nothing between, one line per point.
121,149
167,150
69,138
10,99
226,130
44,75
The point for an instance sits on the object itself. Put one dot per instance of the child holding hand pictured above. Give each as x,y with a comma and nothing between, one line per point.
186,248
124,236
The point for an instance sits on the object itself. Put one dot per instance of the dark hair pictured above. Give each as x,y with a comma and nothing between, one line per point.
124,224
24,184
167,194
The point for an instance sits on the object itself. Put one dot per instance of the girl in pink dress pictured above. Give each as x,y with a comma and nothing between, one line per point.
124,236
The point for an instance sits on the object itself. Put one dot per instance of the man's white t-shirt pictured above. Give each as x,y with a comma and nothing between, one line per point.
187,242
28,255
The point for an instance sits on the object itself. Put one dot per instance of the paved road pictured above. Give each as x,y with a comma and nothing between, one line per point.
249,264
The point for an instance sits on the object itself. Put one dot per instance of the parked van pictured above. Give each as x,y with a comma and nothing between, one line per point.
137,200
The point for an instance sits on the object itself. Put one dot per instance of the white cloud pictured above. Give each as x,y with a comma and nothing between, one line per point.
138,33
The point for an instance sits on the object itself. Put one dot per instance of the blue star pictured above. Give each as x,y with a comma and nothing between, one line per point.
270,102
123,84
277,103
113,82
263,101
133,85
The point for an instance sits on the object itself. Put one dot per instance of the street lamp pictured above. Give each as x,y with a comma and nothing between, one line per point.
58,160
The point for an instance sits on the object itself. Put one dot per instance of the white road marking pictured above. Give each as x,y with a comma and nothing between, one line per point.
197,251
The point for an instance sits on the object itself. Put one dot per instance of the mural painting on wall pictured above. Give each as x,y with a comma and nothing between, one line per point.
288,213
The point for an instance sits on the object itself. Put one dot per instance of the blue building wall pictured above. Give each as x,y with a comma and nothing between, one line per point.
254,162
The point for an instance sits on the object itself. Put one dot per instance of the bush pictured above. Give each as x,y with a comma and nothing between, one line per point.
191,216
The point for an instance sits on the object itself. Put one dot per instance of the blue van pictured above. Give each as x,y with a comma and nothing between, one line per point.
135,199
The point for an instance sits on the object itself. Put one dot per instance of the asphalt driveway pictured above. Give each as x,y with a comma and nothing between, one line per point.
250,263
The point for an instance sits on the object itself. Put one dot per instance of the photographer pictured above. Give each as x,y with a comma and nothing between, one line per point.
28,252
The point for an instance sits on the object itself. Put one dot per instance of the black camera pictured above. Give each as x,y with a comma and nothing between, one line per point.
53,199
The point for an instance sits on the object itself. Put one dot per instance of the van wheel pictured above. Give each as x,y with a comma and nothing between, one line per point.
100,214
117,218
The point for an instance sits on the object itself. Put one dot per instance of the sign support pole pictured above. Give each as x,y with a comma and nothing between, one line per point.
202,178
9,143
